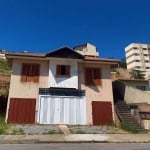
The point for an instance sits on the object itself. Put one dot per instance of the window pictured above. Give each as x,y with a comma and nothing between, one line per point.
145,115
138,67
146,61
137,60
145,54
144,48
136,54
135,48
92,76
63,70
30,72
141,87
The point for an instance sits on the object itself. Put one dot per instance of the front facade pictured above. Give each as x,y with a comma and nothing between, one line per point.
60,87
138,56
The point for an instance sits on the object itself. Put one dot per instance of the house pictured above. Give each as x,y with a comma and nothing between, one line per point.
137,83
135,93
60,87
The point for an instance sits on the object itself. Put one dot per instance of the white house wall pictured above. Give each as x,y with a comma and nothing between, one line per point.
70,82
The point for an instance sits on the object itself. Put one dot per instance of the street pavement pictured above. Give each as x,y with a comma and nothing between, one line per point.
77,146
75,138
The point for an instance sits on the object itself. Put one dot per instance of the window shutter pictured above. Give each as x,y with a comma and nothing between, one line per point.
24,72
68,70
35,72
29,73
58,70
97,76
88,76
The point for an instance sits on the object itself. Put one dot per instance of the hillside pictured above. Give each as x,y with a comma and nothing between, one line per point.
5,72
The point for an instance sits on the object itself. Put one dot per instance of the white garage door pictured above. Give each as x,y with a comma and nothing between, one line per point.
62,110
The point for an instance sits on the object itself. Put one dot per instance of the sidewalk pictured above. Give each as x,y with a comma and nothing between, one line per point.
75,138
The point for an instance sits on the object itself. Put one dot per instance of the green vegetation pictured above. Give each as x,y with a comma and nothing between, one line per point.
19,131
136,74
3,125
131,129
54,132
4,67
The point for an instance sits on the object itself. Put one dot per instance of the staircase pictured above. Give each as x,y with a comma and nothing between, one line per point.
124,114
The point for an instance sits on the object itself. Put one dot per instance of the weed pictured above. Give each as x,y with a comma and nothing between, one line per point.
80,132
125,127
3,125
18,131
54,132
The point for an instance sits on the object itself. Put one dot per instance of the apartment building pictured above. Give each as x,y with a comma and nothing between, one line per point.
138,56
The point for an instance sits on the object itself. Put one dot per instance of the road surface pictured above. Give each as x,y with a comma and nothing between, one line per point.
80,146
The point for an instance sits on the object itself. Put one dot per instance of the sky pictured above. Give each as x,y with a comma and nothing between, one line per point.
45,25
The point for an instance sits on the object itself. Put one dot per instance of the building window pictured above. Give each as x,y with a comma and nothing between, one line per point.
135,48
141,87
136,54
144,48
147,67
145,54
138,67
93,76
63,70
146,61
30,72
145,115
137,60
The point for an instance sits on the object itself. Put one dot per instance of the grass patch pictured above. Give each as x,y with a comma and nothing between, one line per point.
3,125
131,129
18,131
54,132
79,132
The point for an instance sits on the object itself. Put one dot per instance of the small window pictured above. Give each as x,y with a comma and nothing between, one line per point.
145,54
146,61
141,87
63,70
135,48
30,72
145,115
93,76
136,54
138,67
144,48
137,60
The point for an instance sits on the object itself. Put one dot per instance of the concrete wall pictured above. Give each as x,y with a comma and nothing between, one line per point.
129,94
96,93
133,95
20,89
134,83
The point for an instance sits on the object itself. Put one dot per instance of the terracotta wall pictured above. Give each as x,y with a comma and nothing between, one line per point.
20,89
96,93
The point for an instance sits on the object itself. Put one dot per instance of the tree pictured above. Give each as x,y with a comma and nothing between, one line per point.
136,74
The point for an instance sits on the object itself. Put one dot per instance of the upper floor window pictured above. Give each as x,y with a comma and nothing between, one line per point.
30,72
136,54
63,70
135,48
137,60
93,76
144,48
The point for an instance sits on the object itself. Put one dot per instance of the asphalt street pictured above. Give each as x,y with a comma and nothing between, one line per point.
81,146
